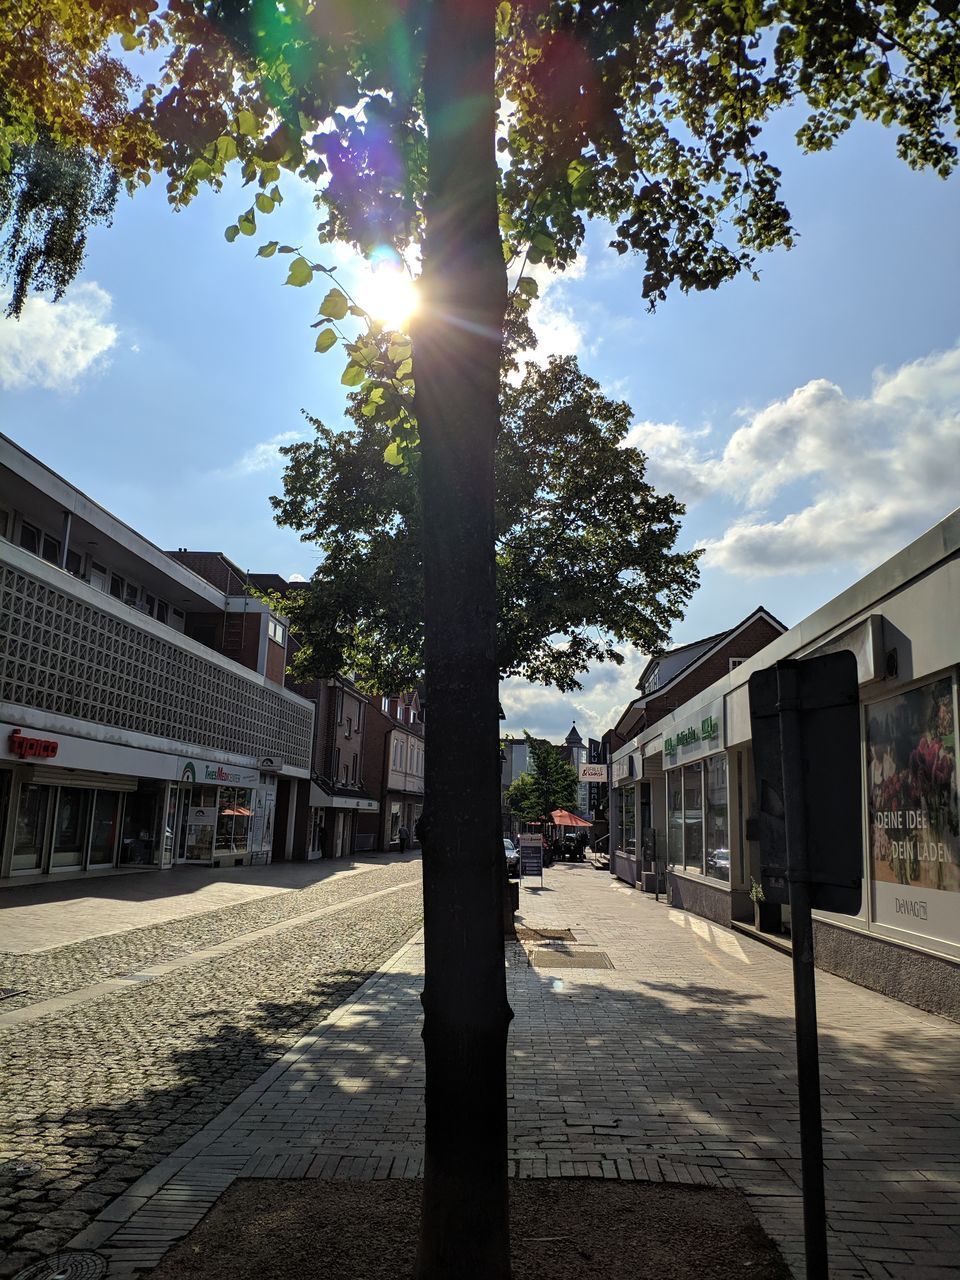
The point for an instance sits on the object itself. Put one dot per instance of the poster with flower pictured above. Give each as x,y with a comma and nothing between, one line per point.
912,803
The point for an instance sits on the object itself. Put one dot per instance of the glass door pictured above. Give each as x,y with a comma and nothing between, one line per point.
33,807
105,828
70,828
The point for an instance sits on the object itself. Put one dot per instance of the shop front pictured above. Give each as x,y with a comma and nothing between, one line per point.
73,806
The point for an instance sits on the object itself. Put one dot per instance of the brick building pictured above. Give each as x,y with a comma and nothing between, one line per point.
393,770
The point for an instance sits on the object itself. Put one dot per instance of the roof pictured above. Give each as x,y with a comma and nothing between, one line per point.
573,736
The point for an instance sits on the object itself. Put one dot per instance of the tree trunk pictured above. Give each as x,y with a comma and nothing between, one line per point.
464,1227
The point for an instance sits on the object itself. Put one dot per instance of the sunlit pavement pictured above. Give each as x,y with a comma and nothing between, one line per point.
676,1064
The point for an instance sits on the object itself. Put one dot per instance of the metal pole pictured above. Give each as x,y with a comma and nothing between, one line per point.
804,986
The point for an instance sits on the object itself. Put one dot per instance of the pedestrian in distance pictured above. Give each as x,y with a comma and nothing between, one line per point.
403,835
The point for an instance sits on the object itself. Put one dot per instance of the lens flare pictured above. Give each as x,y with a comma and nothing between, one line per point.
389,295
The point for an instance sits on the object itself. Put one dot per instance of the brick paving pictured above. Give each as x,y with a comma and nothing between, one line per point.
675,1065
96,1094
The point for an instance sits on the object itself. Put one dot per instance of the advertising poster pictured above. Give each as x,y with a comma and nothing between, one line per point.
912,804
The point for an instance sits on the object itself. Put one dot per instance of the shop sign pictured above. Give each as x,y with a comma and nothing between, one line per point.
531,855
31,748
696,738
223,775
914,841
593,773
624,769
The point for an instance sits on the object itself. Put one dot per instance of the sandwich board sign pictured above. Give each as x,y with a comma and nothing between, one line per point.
531,855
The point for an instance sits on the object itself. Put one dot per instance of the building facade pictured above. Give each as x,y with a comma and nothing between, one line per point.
143,719
393,771
902,622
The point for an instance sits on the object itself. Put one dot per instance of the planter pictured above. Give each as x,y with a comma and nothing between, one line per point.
766,917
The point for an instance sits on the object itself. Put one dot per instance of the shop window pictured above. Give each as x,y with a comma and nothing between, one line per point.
717,833
233,820
693,817
628,819
675,817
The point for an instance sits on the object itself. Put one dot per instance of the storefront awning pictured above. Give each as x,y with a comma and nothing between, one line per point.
320,799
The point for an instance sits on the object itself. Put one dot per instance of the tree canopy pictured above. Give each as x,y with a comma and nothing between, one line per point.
550,784
586,556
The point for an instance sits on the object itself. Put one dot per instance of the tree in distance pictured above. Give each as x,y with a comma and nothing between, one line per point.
550,784
586,553
480,133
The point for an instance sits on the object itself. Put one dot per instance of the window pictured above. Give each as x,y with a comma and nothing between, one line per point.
116,586
736,662
29,538
162,611
6,523
276,630
75,563
346,774
354,768
336,764
233,819
385,706
693,816
98,576
339,706
131,594
349,730
717,836
51,549
628,819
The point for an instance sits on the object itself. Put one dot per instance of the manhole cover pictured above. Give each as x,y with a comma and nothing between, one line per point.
547,959
67,1266
529,934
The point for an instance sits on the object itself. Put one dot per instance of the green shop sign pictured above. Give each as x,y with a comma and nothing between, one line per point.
708,732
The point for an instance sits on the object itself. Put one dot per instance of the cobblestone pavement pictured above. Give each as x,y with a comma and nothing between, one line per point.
676,1064
100,1093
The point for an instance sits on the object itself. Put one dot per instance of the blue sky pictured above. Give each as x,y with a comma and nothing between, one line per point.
811,422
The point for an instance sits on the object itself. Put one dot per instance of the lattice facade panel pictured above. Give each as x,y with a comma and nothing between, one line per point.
60,654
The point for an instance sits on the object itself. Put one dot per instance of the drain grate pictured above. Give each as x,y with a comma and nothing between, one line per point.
543,958
67,1266
528,934
12,1169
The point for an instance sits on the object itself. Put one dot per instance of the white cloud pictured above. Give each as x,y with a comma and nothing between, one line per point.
264,456
863,475
54,344
607,690
296,577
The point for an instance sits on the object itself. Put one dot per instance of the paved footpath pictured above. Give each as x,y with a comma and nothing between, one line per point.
675,1064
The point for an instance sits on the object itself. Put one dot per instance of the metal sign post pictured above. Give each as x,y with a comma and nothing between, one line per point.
805,717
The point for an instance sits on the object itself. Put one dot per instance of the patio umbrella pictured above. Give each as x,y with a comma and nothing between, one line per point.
564,818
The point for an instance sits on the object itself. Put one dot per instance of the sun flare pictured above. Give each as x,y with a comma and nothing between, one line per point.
390,296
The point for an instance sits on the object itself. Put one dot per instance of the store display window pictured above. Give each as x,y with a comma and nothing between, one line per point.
234,812
698,835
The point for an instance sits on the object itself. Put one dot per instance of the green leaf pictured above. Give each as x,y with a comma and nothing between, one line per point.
398,351
267,250
301,273
528,287
325,340
392,455
286,248
247,223
404,369
545,242
231,233
335,305
226,148
130,42
264,203
247,124
353,375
